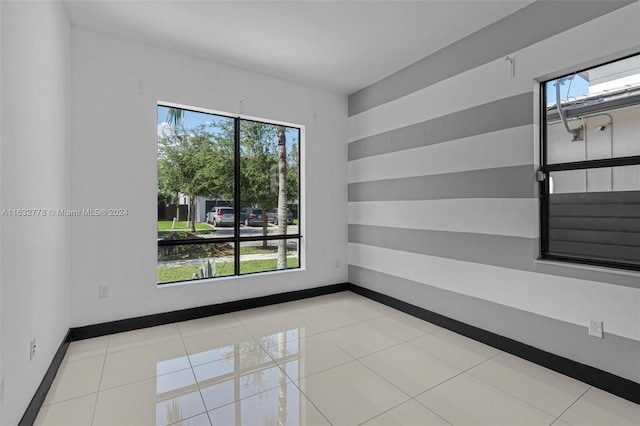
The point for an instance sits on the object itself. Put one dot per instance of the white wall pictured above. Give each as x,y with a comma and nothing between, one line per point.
114,166
1,204
34,174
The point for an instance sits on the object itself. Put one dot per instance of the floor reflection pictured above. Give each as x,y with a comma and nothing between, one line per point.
240,384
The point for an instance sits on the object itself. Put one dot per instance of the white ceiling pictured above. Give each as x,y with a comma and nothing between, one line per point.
341,46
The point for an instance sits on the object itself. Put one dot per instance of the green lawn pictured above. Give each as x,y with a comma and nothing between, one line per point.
220,250
261,250
164,228
185,272
166,225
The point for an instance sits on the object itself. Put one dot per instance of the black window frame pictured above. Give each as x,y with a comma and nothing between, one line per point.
546,169
237,239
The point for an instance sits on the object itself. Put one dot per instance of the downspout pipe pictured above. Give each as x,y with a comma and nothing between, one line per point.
576,133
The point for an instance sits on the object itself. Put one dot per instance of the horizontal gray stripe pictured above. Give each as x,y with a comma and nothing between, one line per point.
506,113
501,182
496,250
614,354
525,27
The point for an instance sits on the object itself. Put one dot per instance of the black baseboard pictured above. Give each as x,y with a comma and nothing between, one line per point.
103,329
29,416
616,385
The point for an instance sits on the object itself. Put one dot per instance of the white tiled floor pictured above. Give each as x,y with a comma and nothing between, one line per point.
339,359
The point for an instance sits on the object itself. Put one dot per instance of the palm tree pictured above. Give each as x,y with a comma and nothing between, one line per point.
282,197
174,116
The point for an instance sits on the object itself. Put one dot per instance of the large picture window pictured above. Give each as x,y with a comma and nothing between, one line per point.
228,195
590,176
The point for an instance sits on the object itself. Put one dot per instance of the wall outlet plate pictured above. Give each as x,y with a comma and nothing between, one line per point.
103,291
595,328
32,349
2,390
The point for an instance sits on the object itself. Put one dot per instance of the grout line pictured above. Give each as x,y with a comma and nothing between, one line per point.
186,353
421,404
145,343
104,362
439,384
573,403
529,403
386,411
516,396
482,362
310,400
384,378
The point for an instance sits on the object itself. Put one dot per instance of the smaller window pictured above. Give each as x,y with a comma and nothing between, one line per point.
591,166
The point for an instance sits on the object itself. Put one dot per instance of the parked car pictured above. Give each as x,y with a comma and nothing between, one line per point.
272,217
251,217
221,216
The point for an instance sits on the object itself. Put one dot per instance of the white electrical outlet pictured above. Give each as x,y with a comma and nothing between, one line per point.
32,349
337,263
2,390
103,291
595,328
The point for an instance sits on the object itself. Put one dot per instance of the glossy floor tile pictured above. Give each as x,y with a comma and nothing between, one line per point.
468,400
410,369
361,339
408,413
351,394
339,359
73,412
87,348
76,378
268,408
597,407
145,362
455,349
539,386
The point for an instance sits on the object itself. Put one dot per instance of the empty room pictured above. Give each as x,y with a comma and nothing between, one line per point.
320,212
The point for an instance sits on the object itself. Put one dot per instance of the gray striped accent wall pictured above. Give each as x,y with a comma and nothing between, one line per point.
502,114
443,212
496,250
618,355
502,182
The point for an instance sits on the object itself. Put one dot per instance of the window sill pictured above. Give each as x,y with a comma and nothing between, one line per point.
229,278
599,269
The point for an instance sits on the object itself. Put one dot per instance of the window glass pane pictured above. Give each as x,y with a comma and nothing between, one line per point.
269,178
594,114
194,261
623,178
262,256
601,221
195,174
206,162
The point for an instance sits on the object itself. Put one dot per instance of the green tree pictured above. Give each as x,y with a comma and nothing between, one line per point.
293,171
259,167
190,162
